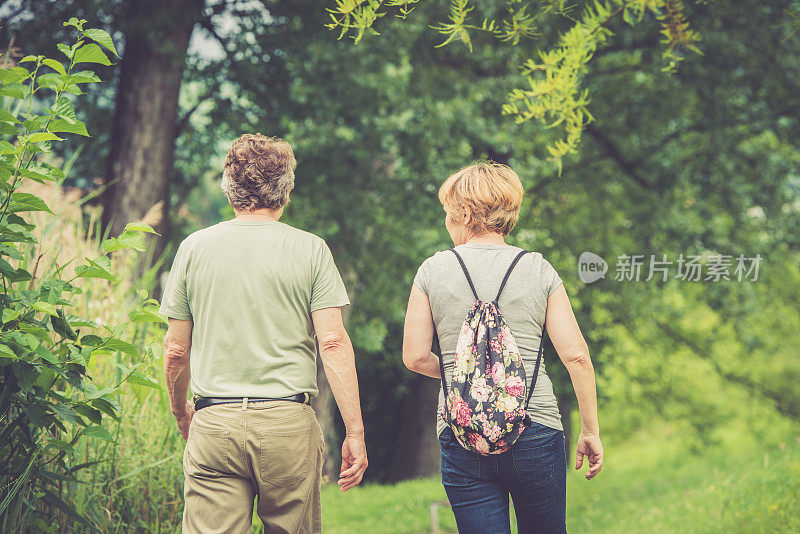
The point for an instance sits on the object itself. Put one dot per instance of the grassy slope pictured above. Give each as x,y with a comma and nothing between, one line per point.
639,490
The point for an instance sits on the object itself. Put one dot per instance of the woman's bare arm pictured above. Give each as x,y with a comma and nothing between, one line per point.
568,341
418,336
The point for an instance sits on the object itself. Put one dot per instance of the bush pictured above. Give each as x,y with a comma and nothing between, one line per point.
48,401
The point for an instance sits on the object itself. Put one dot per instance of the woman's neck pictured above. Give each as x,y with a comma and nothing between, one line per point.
487,238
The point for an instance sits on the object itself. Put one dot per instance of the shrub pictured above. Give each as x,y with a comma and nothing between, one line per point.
48,400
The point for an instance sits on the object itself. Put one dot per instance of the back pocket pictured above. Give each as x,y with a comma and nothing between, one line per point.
535,459
207,447
285,451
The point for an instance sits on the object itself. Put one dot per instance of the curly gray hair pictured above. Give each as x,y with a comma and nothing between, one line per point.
259,172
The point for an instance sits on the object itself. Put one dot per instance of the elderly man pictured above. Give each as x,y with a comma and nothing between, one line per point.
246,299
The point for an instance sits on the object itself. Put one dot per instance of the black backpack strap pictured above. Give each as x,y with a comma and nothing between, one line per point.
508,273
538,361
466,272
444,380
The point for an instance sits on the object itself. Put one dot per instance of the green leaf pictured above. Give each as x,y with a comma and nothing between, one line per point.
62,327
139,227
67,51
91,340
5,116
14,90
74,89
56,502
107,407
8,148
102,37
33,175
64,109
99,268
55,65
93,392
51,81
12,252
76,22
142,380
27,202
62,125
125,240
8,129
98,432
147,314
91,53
9,315
84,76
35,122
46,171
13,75
36,330
92,414
120,345
6,352
65,412
39,137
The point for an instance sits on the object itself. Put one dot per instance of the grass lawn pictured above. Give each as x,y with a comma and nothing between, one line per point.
638,491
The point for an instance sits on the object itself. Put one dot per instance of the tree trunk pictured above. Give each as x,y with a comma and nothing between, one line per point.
143,135
417,447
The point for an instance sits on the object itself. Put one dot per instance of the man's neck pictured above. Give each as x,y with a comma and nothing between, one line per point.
261,214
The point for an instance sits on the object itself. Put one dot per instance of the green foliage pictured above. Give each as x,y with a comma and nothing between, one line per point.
553,92
49,403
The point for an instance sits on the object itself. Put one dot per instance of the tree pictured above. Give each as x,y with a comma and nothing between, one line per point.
142,144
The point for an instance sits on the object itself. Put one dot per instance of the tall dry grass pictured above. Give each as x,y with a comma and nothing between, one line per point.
134,483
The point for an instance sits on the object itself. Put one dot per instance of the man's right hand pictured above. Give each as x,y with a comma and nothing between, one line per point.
184,419
354,461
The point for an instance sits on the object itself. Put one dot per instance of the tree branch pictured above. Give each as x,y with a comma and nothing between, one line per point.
675,335
612,150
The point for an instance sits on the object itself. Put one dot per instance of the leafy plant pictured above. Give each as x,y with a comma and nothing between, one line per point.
48,401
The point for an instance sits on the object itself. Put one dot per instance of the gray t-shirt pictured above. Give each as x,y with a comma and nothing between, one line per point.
522,304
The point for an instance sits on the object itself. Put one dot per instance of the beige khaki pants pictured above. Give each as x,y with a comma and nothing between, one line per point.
272,450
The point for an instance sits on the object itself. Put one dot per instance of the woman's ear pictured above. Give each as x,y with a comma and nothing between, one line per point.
467,216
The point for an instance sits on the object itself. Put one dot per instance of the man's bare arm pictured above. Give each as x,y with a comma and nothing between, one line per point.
338,360
177,349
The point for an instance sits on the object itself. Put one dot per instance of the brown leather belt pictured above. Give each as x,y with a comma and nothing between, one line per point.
205,402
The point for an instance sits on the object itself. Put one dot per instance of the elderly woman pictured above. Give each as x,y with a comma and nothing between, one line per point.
482,203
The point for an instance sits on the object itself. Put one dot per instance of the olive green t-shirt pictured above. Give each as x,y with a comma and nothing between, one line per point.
249,288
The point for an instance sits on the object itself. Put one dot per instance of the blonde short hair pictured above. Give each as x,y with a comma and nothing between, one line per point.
493,193
259,172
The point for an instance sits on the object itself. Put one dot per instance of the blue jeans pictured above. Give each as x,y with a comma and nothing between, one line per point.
533,472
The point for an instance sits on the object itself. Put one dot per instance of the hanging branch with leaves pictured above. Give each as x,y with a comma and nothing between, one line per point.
553,93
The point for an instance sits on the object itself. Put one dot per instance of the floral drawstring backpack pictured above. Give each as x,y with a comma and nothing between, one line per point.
486,404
